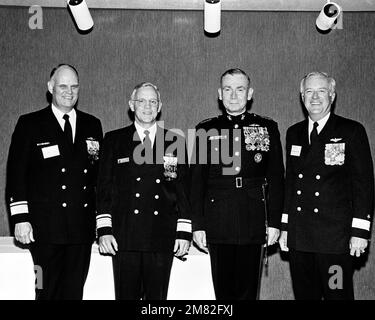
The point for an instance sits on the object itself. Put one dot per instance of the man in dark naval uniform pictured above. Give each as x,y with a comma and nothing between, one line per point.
329,195
237,154
143,212
52,170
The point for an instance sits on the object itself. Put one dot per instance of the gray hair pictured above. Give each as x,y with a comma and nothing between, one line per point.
145,85
331,81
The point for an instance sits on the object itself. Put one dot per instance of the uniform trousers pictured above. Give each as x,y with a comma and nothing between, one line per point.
318,275
64,270
235,270
142,275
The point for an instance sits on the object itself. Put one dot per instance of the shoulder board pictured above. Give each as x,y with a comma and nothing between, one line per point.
263,117
207,120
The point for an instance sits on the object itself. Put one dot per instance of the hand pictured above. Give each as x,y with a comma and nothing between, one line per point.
283,241
108,245
23,232
181,247
357,246
199,237
273,235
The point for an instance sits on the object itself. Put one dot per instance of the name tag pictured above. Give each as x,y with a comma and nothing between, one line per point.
296,151
122,160
52,151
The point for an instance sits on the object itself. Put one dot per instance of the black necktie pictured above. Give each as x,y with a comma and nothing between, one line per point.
147,140
314,133
68,129
148,147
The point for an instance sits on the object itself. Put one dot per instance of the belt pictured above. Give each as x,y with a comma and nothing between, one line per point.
235,182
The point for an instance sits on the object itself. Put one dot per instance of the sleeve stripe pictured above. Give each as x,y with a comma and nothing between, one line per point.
104,222
361,224
106,215
184,225
19,207
184,220
284,218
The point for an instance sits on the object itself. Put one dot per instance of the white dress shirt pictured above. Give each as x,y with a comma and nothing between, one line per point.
322,122
141,130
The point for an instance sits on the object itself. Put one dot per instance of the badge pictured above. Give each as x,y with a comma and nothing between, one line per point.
334,154
256,138
170,167
52,151
258,158
296,151
336,139
92,148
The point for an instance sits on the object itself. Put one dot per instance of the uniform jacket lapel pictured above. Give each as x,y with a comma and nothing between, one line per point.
53,129
129,141
302,140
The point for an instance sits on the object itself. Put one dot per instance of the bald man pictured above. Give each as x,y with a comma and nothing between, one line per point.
52,169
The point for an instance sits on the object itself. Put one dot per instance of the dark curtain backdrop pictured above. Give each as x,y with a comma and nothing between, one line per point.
169,49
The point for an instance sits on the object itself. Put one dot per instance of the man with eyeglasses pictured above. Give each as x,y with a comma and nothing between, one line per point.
228,197
52,170
143,211
329,195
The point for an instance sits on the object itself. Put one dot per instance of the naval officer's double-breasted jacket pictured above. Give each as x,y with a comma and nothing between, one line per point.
329,186
51,182
144,205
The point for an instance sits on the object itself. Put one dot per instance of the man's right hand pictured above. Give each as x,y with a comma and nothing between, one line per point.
23,232
108,245
283,241
199,238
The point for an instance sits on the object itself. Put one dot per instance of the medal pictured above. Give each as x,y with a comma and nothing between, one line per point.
170,167
256,138
258,157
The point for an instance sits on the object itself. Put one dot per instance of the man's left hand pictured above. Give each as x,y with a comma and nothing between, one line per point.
273,235
181,247
357,246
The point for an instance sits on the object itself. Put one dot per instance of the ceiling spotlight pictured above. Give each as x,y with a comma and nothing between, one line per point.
212,17
81,14
328,17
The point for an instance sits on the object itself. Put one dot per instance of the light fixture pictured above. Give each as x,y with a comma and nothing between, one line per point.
81,14
212,17
328,17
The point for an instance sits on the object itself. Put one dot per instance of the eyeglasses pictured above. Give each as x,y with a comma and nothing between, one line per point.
65,88
143,102
320,92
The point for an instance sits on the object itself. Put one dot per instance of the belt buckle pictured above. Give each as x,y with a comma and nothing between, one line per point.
238,182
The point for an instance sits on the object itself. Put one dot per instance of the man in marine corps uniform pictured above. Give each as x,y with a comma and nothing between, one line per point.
329,195
236,155
143,206
52,170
